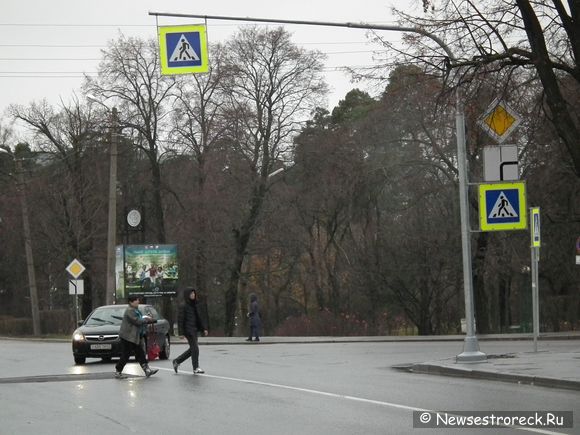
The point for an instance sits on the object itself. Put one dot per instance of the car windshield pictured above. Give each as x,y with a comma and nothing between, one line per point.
106,316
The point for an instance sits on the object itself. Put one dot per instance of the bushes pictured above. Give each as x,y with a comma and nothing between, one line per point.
15,326
326,323
51,322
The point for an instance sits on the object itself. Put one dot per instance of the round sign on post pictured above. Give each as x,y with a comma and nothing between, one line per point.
75,268
134,218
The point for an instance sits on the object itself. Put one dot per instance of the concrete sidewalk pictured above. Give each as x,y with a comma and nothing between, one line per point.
572,335
543,368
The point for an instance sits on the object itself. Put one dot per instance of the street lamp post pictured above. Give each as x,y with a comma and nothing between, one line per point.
33,293
471,352
112,199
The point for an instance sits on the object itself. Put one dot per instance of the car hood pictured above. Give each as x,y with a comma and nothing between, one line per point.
99,329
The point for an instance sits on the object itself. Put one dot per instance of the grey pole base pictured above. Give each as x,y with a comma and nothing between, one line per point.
471,352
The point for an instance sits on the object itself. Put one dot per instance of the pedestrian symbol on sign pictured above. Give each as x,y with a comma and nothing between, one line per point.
502,208
183,51
502,205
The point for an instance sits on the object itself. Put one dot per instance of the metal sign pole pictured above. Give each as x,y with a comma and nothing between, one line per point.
535,255
74,284
535,302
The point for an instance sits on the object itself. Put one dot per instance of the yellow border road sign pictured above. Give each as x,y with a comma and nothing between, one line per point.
535,227
183,49
502,206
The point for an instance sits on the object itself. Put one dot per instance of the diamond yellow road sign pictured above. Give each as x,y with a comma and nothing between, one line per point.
183,50
500,120
75,268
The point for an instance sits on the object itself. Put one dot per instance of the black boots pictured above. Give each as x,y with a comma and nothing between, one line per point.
148,371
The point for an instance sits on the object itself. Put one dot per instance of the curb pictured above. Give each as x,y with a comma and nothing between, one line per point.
575,335
431,369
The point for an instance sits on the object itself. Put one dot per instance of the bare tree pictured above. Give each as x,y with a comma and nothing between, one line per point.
129,74
543,36
272,85
197,127
70,199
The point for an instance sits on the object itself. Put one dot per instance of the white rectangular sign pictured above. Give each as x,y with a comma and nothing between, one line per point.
76,287
500,163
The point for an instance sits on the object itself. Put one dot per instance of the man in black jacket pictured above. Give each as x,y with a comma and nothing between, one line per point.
189,324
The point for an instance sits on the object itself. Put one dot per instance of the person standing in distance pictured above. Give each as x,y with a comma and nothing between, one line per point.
189,323
255,319
132,335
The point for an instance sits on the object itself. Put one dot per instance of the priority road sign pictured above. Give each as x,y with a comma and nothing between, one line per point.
183,49
502,206
75,268
500,120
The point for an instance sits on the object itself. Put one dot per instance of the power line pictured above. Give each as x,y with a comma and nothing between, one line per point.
94,59
39,77
52,46
105,46
72,25
48,72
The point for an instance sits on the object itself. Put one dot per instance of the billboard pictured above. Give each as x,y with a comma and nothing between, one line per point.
150,270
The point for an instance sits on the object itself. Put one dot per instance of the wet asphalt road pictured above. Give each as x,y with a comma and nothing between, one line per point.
339,388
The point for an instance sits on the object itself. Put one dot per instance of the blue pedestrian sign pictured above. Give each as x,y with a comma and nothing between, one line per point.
183,50
502,206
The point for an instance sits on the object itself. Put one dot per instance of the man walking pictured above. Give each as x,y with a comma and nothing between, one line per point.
189,324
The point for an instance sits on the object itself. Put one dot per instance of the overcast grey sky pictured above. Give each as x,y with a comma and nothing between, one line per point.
46,46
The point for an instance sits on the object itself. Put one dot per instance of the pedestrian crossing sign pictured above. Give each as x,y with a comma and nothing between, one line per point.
183,50
502,206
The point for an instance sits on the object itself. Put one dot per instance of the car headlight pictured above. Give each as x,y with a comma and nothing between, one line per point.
78,336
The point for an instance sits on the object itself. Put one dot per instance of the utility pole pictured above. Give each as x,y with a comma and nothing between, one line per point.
112,218
471,352
28,251
112,222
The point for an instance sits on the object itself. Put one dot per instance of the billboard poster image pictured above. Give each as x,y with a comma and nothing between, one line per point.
149,270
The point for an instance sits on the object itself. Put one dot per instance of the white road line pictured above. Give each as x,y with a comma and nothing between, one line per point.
343,396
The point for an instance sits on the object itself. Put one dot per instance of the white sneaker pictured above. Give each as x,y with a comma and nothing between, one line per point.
198,370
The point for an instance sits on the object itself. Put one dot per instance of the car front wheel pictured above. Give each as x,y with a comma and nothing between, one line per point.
164,354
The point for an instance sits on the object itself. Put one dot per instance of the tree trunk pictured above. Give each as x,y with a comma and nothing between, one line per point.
242,238
157,203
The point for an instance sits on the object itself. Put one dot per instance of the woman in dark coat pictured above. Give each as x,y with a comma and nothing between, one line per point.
189,324
255,319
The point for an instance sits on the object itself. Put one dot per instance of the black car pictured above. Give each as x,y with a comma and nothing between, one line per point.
98,335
